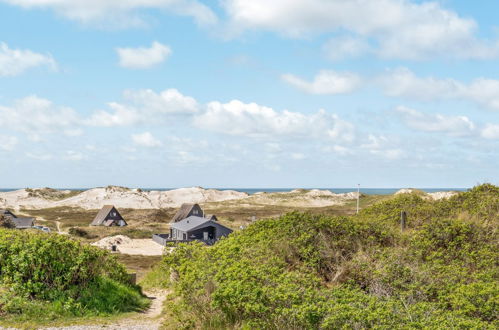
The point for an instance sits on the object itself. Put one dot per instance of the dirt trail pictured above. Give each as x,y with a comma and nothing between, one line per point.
147,320
58,225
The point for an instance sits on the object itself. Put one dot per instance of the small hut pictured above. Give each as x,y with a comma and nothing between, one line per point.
19,223
109,216
187,210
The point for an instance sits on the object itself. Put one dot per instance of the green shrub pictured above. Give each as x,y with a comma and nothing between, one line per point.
80,232
37,267
303,271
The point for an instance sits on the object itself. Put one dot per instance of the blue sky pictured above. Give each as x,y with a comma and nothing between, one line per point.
238,93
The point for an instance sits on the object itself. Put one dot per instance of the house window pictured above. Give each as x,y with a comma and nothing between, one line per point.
195,212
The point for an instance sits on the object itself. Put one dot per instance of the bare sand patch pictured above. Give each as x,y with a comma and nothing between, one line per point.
127,245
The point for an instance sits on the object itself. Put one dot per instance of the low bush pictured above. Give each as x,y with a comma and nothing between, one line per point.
304,271
69,277
80,232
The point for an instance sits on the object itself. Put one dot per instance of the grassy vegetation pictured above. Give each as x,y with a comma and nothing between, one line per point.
240,213
140,265
306,271
49,276
52,194
141,223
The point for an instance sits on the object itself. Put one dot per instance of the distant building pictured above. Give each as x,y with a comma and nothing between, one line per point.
187,210
189,224
20,223
109,216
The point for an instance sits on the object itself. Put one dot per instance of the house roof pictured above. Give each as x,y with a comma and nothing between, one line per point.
101,216
184,211
190,223
211,217
23,222
7,212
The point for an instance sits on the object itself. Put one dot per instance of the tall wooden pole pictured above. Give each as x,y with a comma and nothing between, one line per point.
358,197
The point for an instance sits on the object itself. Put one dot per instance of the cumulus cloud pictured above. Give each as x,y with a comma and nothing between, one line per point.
39,156
143,58
298,156
451,125
8,142
14,62
404,83
73,155
400,28
253,120
490,131
381,145
144,106
34,115
146,139
326,82
346,47
118,13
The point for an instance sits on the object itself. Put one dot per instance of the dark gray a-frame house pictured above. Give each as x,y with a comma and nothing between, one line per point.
109,216
187,210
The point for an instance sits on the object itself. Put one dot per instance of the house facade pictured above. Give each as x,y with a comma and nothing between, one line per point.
190,224
109,216
19,222
198,228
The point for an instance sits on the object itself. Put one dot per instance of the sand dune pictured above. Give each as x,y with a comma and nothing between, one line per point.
120,197
137,199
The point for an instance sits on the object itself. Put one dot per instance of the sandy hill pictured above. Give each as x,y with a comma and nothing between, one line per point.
435,195
120,197
302,198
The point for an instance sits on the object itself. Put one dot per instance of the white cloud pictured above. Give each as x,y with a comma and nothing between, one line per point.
143,58
404,83
400,28
39,156
382,146
451,125
326,82
8,142
345,47
490,131
144,106
253,120
35,116
146,139
13,62
118,13
74,155
297,156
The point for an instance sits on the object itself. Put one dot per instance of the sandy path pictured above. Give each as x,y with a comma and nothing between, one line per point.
148,320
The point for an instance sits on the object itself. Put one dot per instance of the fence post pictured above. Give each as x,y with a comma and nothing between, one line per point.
403,220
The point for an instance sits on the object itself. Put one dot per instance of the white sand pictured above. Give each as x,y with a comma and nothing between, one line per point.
127,245
121,198
302,198
132,198
435,195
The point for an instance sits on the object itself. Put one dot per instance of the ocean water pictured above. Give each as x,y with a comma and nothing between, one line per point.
368,191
